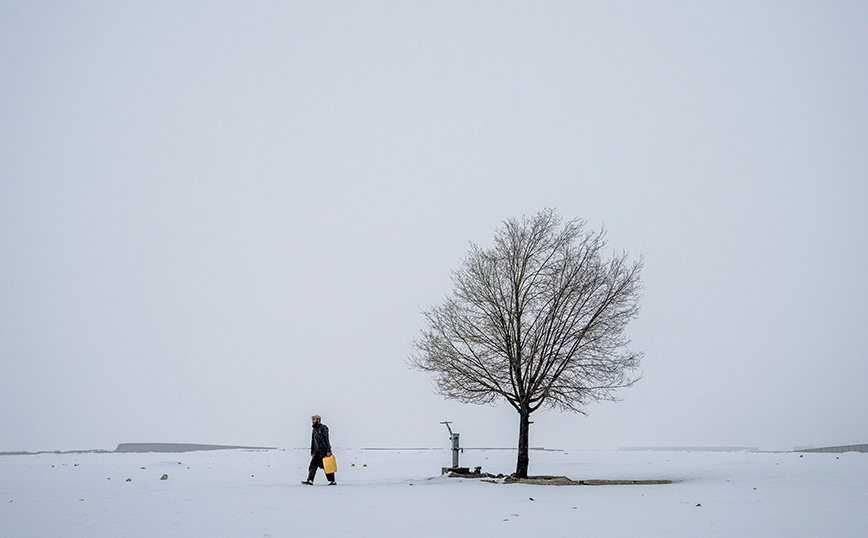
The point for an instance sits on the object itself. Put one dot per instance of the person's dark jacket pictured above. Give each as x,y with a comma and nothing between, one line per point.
319,440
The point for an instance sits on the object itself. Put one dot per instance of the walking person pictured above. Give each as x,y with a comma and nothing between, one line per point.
319,448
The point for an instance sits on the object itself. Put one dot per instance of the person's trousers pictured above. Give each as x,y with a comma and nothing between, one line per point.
316,463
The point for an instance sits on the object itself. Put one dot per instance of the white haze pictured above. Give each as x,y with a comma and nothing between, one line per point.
217,219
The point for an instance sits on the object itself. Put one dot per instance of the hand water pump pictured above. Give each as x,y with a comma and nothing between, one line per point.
455,447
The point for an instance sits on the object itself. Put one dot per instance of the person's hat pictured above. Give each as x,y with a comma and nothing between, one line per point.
316,417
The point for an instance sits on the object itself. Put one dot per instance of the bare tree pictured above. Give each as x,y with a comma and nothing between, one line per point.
537,320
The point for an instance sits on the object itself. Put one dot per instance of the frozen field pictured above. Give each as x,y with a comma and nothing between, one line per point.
400,493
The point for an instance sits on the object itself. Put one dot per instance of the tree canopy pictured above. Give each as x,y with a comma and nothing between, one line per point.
537,319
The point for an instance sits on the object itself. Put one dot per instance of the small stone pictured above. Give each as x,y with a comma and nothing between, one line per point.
129,479
164,477
697,504
531,498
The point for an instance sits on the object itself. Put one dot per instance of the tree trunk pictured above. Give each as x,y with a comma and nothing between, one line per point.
523,442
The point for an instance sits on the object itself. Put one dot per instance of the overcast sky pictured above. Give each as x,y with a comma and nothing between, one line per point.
217,219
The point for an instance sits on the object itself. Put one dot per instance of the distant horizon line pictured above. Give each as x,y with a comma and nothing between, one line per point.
196,447
689,448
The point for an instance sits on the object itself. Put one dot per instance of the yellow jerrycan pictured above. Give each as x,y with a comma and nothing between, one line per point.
329,464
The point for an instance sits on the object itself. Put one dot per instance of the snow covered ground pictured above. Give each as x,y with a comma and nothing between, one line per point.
401,493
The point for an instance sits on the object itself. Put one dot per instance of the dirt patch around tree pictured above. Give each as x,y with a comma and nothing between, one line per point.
544,480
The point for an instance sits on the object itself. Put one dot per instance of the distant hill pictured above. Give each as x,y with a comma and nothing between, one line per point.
180,447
